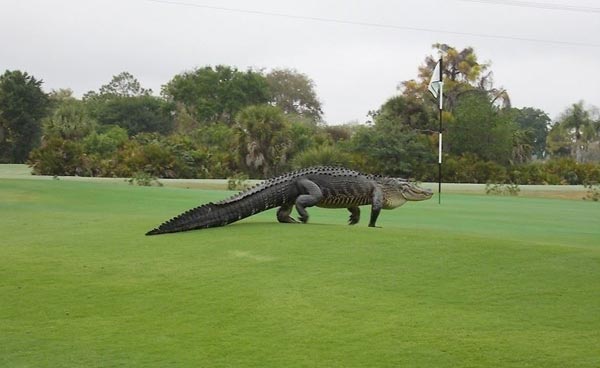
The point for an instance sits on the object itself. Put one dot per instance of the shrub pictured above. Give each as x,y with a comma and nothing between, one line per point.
238,182
104,144
58,156
322,155
502,189
593,192
557,171
144,179
468,168
172,157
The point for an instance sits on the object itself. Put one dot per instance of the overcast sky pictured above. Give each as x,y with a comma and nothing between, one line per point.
545,53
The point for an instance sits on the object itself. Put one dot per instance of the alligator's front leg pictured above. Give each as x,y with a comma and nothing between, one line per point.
312,197
376,206
354,215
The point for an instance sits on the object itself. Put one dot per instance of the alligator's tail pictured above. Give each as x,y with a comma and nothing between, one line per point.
242,205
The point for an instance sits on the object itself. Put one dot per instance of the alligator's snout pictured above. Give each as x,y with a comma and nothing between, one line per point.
427,193
415,193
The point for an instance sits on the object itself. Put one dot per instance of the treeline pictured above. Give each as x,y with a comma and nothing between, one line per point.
221,122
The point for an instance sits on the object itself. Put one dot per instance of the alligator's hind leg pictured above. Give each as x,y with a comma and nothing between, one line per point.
283,214
354,215
312,197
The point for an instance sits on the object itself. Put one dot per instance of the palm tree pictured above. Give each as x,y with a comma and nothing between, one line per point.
263,139
578,120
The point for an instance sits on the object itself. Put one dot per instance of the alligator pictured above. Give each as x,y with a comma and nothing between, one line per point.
321,186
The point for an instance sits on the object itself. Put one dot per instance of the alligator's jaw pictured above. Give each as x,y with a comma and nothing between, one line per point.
414,193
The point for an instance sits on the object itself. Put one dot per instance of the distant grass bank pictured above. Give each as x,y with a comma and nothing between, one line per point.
480,281
14,171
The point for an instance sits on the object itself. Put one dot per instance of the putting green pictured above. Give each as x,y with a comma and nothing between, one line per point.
479,281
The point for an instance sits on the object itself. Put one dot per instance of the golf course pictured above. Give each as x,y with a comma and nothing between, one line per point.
476,281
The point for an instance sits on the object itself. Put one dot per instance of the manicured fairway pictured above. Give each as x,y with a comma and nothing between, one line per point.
476,282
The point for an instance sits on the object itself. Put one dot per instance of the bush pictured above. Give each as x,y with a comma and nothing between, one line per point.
533,173
58,156
150,158
502,189
322,155
144,179
593,192
557,171
159,156
105,143
238,182
469,168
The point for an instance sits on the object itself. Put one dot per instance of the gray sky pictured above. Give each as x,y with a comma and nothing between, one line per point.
81,44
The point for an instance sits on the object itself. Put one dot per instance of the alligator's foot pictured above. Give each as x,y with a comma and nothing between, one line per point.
287,220
354,215
303,218
283,215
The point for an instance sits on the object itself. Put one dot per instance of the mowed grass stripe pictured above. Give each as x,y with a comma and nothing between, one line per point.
478,281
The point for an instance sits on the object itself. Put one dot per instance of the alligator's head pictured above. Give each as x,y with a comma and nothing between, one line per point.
397,191
412,192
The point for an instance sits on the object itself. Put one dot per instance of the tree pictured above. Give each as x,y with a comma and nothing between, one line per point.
389,151
139,114
123,102
522,150
480,128
264,139
398,143
23,104
220,143
124,85
461,71
534,126
576,118
57,96
409,113
475,116
217,94
69,119
183,121
558,142
577,132
294,93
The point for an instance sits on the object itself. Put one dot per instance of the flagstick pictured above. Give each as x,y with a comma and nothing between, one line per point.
440,161
437,78
441,98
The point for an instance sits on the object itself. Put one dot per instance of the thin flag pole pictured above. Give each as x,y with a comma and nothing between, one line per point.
436,87
440,161
440,96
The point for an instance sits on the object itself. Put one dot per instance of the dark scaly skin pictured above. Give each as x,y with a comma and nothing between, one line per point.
329,187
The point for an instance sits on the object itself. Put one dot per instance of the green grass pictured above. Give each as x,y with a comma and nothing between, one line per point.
476,282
